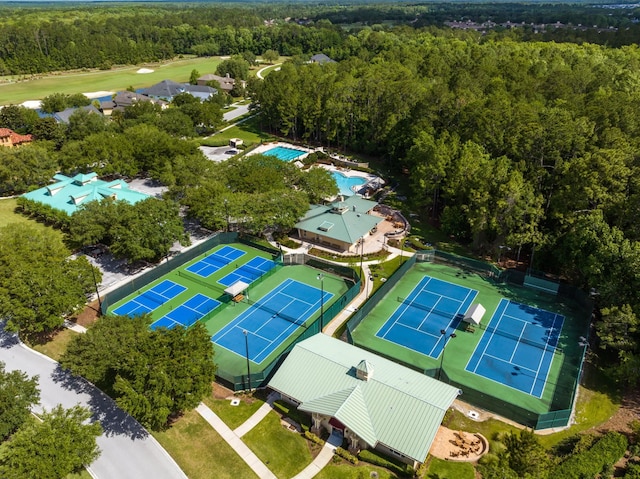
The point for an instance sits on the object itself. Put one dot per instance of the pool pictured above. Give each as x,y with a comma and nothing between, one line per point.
346,184
283,153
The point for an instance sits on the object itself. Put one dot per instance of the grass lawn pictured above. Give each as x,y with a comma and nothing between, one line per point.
348,471
248,131
109,80
233,416
285,453
450,470
57,345
8,215
200,451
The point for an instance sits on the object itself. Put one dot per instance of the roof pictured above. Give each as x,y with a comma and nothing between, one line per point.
68,194
64,115
321,58
226,83
345,221
396,406
165,89
16,138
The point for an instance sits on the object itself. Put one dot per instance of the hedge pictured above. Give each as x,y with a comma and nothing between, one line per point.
605,452
347,455
377,459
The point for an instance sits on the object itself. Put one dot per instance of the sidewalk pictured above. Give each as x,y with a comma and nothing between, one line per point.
257,416
235,442
322,459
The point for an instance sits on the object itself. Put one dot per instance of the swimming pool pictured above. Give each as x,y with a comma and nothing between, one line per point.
283,153
346,183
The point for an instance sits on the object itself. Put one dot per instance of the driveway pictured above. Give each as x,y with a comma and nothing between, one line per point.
128,450
239,110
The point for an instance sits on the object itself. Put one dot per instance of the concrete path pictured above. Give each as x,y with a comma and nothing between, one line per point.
235,442
127,449
259,72
257,416
322,459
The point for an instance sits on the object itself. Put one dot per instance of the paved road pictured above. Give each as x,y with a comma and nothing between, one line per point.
239,110
128,450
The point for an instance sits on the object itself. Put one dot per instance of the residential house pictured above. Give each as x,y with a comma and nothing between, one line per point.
226,82
165,90
321,59
374,402
10,138
64,115
123,99
341,225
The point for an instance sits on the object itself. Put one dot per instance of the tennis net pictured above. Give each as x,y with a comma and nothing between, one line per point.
429,309
155,297
215,260
195,279
500,332
274,312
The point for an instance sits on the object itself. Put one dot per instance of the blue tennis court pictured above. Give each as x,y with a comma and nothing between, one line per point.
433,305
151,299
248,272
215,261
271,320
518,347
187,313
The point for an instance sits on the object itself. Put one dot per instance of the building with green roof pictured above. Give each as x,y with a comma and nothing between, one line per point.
376,403
68,194
340,225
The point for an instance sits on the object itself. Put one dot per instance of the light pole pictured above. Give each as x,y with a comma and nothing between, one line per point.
226,212
443,333
321,279
95,284
500,254
361,255
246,346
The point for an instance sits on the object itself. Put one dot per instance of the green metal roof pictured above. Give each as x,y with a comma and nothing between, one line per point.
67,194
396,406
345,221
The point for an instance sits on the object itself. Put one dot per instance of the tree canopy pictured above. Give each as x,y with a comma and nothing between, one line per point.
153,375
17,394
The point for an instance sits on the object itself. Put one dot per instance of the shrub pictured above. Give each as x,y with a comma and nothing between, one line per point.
378,459
313,438
605,451
347,455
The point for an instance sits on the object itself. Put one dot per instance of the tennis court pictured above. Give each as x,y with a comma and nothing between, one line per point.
433,305
150,299
187,313
269,321
248,272
518,347
215,261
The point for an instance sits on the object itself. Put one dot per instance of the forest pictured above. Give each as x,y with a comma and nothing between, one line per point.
37,39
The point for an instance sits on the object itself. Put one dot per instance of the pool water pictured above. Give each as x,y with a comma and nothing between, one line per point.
283,153
346,183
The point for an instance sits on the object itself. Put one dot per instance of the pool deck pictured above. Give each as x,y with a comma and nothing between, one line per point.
269,146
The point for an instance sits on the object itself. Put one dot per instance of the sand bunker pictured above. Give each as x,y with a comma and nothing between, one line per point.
33,104
145,70
97,94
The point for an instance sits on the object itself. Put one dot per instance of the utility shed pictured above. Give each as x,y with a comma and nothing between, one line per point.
474,314
374,402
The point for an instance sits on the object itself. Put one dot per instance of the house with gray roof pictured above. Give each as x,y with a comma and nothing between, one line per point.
68,194
201,92
64,115
124,99
373,401
165,90
226,82
321,59
341,225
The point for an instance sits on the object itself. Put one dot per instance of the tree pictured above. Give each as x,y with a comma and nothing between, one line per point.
39,283
61,444
148,230
17,394
318,183
48,129
236,67
17,118
526,456
83,123
270,56
176,123
54,103
193,77
25,168
151,374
